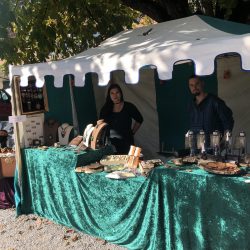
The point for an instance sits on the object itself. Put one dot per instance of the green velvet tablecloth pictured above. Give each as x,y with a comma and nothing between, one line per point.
171,209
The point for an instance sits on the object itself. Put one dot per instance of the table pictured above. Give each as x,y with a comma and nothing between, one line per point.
170,209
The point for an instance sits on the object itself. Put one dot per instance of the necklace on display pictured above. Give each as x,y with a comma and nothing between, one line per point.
64,132
64,129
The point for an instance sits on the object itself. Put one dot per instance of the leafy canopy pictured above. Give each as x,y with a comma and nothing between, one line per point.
39,30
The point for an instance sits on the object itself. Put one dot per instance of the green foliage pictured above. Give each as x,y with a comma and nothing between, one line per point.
54,29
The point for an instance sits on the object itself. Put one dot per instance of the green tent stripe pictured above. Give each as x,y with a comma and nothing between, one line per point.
226,26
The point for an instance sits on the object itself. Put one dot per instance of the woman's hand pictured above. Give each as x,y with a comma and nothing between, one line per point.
135,128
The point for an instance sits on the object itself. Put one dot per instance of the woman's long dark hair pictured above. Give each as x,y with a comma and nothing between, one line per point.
108,106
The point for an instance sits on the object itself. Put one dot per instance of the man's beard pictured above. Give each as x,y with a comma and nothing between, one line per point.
196,94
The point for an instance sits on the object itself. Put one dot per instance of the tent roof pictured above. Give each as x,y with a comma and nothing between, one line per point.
160,44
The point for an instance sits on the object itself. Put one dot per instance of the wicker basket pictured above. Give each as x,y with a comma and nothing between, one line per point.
7,166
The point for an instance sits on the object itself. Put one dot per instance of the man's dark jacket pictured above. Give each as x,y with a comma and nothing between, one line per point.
210,115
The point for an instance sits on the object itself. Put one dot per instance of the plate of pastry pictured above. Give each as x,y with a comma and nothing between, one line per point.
222,168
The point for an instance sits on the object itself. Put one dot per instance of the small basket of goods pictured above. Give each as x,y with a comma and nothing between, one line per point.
7,162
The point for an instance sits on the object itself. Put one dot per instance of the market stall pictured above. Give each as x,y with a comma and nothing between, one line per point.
182,40
170,208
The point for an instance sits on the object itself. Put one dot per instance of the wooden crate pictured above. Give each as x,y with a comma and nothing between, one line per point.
7,166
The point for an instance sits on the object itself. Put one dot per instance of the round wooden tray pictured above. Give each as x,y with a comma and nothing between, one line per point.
222,168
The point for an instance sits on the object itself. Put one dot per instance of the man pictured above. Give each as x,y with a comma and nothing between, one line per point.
208,112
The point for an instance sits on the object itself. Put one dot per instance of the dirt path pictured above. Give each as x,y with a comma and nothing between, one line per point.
30,232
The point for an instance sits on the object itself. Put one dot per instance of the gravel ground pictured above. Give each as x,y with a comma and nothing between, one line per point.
30,232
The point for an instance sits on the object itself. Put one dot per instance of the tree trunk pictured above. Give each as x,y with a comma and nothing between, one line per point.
241,13
207,7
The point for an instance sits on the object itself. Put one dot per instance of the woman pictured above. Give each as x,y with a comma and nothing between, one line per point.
124,119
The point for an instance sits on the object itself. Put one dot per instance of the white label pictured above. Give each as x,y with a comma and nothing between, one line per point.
18,118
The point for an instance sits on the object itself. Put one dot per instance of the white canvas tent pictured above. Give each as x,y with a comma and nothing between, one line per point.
160,45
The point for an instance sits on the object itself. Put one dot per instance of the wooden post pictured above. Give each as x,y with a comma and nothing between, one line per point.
16,110
73,107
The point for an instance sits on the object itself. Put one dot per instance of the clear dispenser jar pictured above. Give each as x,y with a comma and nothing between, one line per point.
215,142
228,141
242,143
201,141
191,142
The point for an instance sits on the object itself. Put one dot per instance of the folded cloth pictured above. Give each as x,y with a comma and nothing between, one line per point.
7,193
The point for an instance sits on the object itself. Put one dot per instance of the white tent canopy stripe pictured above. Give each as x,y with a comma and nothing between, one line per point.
160,44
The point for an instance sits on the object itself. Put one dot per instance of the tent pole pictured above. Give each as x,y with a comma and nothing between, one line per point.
15,100
73,107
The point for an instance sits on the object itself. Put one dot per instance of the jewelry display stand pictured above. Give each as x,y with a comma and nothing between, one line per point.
87,134
64,132
99,135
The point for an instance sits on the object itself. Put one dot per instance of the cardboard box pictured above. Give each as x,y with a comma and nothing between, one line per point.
7,166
